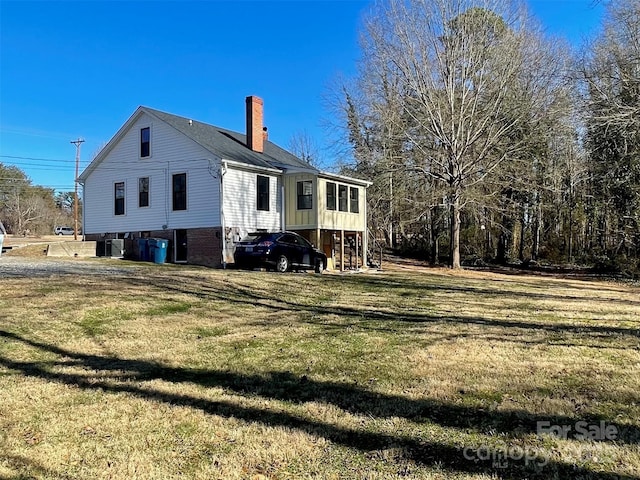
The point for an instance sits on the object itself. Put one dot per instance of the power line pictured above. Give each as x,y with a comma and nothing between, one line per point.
29,163
37,159
31,132
21,180
55,186
43,168
116,165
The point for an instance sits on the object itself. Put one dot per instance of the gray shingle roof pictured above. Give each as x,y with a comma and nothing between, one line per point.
229,145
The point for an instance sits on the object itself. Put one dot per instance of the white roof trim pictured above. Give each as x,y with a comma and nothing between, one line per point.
344,178
246,166
112,143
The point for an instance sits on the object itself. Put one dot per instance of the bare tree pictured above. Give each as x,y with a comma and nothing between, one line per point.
611,71
376,124
24,207
26,211
461,65
305,147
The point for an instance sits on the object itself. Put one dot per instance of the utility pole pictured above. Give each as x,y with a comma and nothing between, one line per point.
77,143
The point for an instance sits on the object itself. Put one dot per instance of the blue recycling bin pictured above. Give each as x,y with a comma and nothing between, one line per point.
143,249
160,250
151,243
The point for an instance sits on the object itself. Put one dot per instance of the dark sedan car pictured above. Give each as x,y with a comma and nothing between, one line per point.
281,251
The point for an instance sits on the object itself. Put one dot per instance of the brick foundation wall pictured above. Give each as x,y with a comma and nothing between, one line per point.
204,245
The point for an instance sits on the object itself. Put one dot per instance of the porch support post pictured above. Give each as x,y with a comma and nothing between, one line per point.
364,249
357,257
342,250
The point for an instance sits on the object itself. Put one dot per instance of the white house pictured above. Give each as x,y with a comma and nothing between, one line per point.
203,188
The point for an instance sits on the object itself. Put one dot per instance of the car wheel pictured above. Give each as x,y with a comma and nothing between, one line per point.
320,265
283,264
59,234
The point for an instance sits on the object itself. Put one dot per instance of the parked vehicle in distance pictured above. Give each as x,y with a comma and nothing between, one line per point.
281,251
63,231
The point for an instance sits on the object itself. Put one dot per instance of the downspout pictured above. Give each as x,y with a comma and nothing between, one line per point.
365,234
283,217
223,170
83,210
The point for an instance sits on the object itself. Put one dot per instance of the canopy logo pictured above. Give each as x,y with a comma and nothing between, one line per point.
501,454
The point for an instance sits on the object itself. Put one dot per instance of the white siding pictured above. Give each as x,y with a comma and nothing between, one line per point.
171,152
240,202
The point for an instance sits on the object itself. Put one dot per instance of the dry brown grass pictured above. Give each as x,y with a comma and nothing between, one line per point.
181,372
31,251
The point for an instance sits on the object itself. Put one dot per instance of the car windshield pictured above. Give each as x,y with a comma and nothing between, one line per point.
256,237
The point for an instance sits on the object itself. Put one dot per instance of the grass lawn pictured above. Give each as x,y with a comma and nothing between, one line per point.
167,372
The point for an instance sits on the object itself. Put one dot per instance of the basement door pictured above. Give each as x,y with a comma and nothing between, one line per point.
180,242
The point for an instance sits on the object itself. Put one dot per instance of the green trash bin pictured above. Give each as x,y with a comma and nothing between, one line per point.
160,250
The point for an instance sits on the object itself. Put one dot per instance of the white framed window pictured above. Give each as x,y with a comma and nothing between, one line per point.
118,198
331,196
343,198
179,200
354,195
145,142
305,195
143,192
263,193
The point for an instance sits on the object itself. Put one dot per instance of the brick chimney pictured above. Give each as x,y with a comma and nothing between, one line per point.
255,136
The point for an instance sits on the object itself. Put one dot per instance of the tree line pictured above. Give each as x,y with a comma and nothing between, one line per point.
488,140
27,209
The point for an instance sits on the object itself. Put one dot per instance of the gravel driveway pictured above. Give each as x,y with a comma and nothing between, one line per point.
21,267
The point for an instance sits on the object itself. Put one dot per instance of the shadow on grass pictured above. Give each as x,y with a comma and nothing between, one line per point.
31,469
249,296
493,287
120,375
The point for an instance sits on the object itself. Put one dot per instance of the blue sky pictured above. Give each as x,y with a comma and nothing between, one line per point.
80,68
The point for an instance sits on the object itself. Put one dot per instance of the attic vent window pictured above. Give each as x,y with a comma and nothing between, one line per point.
145,142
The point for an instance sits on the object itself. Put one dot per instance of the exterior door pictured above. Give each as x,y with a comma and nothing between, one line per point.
180,242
